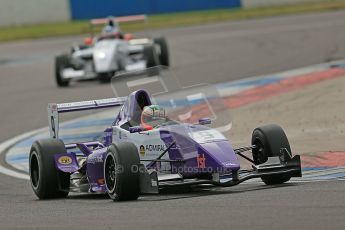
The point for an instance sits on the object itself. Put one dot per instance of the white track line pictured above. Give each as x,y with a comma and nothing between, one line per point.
7,144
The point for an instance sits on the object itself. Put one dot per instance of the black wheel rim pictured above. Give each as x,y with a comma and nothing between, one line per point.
34,170
110,173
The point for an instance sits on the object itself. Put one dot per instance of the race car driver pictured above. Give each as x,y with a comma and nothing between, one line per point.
111,30
153,116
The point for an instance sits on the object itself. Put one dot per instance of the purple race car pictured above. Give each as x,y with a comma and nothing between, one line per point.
145,150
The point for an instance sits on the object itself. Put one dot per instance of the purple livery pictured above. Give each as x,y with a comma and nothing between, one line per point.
133,160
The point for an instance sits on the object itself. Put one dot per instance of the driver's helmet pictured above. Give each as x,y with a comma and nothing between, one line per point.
110,27
152,116
110,21
110,30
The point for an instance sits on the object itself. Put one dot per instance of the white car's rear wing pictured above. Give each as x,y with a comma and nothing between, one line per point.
132,18
55,109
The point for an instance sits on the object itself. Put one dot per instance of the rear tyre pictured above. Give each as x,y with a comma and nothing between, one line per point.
121,173
61,62
46,181
164,51
269,140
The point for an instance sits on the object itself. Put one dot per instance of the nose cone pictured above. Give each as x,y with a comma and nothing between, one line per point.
220,156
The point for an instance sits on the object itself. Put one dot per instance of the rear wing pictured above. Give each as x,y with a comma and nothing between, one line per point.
55,109
133,18
124,19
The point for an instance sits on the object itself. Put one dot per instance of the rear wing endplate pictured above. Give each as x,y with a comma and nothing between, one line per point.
55,109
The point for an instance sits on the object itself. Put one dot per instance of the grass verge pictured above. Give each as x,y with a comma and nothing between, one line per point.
167,20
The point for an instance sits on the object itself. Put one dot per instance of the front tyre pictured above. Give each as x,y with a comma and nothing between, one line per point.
163,51
61,62
105,77
151,56
46,181
269,140
121,172
152,60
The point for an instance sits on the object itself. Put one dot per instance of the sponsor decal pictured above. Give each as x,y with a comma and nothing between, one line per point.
142,150
207,136
154,183
95,160
65,160
201,161
101,181
229,163
156,148
108,138
122,135
52,124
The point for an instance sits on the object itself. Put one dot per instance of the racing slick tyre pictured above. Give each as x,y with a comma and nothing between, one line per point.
152,60
151,56
163,51
46,181
269,140
61,62
105,77
121,172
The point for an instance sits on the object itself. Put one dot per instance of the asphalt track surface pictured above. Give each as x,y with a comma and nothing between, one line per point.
209,53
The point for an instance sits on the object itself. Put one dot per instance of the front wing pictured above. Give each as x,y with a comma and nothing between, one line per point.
285,164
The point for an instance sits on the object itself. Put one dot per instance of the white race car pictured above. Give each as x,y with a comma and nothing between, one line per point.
109,53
